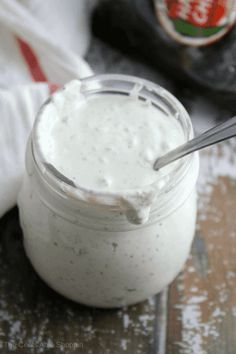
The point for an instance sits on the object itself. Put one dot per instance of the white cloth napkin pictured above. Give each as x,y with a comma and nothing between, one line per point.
41,44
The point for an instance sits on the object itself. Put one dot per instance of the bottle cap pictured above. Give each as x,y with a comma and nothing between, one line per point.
196,22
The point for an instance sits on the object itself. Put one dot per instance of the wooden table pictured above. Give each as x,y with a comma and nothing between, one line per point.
196,315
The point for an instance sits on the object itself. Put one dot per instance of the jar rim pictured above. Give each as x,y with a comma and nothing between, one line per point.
63,185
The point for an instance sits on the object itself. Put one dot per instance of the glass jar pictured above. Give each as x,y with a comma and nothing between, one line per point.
81,243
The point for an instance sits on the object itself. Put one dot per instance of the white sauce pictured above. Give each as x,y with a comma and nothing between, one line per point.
87,251
108,143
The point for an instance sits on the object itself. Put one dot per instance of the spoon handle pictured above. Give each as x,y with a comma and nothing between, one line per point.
212,136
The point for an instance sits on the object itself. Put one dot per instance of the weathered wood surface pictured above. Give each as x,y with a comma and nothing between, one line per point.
202,300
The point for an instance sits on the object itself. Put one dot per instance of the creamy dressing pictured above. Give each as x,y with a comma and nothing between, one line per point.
108,143
86,249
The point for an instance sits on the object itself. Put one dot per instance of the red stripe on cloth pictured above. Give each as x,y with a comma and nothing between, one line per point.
32,61
53,87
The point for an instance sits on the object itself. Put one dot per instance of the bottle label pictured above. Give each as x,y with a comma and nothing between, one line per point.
196,22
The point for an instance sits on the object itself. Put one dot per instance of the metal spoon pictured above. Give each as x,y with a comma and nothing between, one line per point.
212,136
